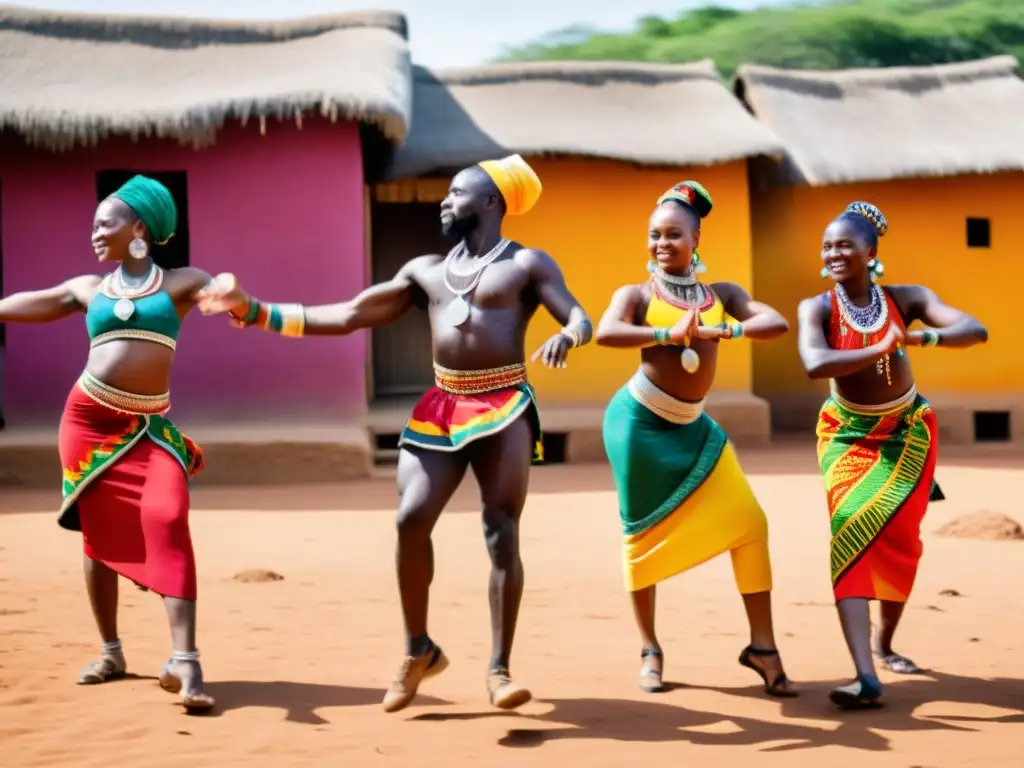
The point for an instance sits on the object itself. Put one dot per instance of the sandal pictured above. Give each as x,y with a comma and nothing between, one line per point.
103,670
650,679
194,702
863,693
776,687
901,665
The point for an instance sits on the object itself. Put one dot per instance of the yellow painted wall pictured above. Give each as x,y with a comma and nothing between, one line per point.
592,218
926,244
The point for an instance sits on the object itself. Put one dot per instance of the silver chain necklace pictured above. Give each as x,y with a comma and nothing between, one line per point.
688,279
124,308
692,295
866,320
462,283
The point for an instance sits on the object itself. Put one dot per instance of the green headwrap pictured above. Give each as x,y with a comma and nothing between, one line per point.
693,195
152,203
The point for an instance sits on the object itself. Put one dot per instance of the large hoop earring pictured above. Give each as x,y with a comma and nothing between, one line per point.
138,249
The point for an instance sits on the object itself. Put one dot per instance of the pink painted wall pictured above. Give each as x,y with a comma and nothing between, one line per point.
283,211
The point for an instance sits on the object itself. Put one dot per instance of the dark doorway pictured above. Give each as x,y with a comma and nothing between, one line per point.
991,426
3,326
175,254
402,360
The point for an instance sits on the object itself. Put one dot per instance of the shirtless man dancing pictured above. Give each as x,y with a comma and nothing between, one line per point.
481,413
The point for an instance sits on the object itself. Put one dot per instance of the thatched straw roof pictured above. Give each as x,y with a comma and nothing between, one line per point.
68,79
877,124
649,114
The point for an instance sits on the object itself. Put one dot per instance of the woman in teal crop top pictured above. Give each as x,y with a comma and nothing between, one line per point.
126,467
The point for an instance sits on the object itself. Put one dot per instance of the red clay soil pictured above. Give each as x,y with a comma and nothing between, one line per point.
298,664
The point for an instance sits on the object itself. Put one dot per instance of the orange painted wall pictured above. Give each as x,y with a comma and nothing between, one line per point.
926,244
592,218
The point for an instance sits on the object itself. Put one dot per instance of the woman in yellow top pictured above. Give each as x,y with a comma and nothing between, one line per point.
683,498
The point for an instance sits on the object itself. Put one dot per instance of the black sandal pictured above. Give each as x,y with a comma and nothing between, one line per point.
773,688
656,685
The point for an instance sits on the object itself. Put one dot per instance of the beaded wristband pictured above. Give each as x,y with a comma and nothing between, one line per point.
249,318
253,313
930,338
661,335
285,319
737,330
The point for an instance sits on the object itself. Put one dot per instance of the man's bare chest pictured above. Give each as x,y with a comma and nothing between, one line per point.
497,285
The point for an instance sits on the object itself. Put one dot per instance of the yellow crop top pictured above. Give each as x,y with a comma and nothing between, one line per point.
661,314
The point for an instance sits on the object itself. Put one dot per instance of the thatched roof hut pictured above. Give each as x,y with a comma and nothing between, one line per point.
70,79
878,124
649,114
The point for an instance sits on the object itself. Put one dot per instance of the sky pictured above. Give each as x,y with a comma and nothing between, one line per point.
443,33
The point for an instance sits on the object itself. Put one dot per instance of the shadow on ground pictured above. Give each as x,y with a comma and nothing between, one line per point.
656,719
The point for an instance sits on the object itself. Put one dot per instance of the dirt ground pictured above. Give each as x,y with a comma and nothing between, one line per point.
299,665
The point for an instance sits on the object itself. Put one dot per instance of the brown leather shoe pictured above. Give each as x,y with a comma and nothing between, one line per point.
504,692
413,671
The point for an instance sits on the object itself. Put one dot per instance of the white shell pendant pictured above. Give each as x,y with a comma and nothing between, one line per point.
457,312
124,309
690,360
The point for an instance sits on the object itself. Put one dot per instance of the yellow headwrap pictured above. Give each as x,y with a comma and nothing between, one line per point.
516,181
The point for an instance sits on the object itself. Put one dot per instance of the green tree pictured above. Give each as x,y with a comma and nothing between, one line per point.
826,35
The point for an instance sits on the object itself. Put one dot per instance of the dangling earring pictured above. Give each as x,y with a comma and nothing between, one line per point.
138,249
650,266
824,272
699,267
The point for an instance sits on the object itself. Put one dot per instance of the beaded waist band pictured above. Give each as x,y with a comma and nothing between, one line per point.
479,382
134,333
661,403
901,403
119,400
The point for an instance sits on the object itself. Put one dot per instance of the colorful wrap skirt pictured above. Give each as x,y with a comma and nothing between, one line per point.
465,406
126,475
683,497
878,463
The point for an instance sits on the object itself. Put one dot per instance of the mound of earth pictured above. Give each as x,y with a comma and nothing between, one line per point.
257,576
984,525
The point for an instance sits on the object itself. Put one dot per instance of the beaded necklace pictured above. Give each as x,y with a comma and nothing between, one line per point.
867,321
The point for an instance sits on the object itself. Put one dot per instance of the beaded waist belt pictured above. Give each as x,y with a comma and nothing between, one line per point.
901,403
661,403
119,400
134,333
479,382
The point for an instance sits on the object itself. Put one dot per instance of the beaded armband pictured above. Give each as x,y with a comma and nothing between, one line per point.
735,329
285,319
661,335
930,338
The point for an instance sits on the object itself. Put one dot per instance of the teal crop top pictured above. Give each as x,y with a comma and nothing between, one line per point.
153,318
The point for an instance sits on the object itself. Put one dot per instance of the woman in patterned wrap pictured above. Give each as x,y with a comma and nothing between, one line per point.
126,467
877,436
